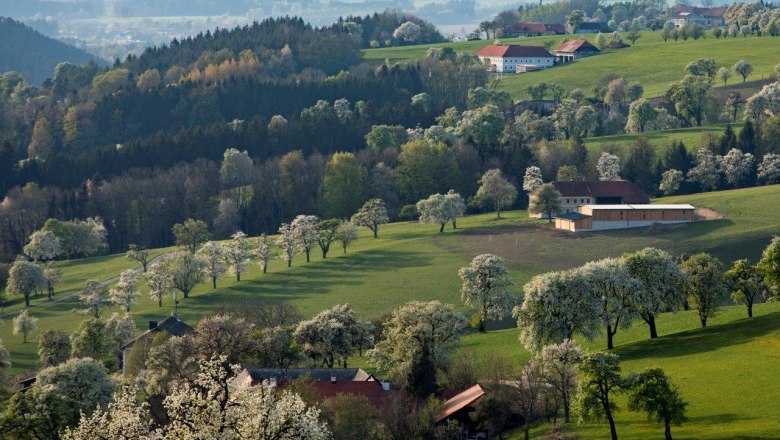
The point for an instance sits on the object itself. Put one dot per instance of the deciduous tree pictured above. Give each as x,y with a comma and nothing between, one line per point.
24,324
652,392
486,287
559,369
532,179
706,172
185,270
746,283
53,348
139,254
599,380
213,256
347,233
343,185
372,214
434,210
237,254
608,166
770,265
125,293
670,181
305,231
769,169
546,201
191,234
287,243
160,281
53,276
737,167
496,190
327,233
25,278
43,245
743,69
705,285
330,335
91,299
264,252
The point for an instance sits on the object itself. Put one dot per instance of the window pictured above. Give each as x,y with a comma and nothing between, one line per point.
567,200
621,215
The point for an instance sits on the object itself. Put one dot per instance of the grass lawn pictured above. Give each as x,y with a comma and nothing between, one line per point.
652,62
691,137
412,261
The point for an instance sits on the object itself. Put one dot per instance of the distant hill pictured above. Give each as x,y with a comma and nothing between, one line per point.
32,54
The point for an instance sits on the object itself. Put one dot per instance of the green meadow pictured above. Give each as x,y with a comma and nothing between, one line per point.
652,62
723,370
659,140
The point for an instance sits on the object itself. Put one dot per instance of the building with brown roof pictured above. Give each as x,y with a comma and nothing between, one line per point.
170,325
534,30
606,217
504,58
573,49
610,192
589,27
707,17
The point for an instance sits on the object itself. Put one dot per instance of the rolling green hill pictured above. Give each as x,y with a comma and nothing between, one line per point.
691,137
651,61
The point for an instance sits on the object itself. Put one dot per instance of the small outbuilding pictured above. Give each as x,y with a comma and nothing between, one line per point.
573,49
607,217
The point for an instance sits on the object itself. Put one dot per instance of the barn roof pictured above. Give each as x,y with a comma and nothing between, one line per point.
315,374
460,401
513,51
573,216
572,46
171,325
627,191
538,28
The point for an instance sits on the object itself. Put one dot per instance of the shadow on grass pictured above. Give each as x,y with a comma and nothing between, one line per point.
702,340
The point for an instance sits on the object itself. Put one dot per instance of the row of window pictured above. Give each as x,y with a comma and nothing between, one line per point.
581,200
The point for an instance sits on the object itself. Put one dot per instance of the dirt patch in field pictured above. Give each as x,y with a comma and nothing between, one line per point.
707,214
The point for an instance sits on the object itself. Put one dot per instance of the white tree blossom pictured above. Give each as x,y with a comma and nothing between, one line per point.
706,172
556,305
456,206
43,245
140,255
123,419
160,281
532,179
346,234
306,232
737,166
287,243
616,292
125,292
670,181
329,336
213,255
769,169
372,214
435,210
185,270
608,166
237,254
764,103
236,169
263,251
24,324
120,330
662,282
25,278
486,287
91,299
53,276
407,31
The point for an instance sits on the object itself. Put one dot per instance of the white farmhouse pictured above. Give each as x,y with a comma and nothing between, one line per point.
504,58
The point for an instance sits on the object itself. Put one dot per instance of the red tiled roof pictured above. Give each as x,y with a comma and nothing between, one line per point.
575,45
513,51
460,401
710,12
627,191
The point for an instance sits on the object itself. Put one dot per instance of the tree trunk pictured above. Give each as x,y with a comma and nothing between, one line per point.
376,232
526,428
308,251
668,431
565,412
27,300
612,430
213,282
750,309
238,276
345,248
610,334
145,266
159,302
289,263
441,229
186,293
651,322
703,322
324,253
265,267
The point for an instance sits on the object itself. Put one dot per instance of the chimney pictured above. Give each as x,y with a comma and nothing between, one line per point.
385,385
333,377
152,325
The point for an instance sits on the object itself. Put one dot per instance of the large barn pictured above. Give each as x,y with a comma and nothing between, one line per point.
504,58
605,217
611,192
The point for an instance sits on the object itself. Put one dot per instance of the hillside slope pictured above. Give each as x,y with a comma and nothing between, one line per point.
32,54
652,62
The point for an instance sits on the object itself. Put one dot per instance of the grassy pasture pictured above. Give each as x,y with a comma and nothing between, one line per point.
652,62
691,137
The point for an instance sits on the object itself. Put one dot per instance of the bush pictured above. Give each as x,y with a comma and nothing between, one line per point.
408,213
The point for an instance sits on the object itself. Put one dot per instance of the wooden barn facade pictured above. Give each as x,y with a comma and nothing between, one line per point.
606,217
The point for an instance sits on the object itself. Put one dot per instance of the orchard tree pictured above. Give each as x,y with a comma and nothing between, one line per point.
746,283
769,169
568,173
213,256
53,276
532,179
191,234
25,278
53,348
160,281
559,369
496,190
417,335
616,291
125,293
770,265
743,69
652,392
287,242
90,340
640,114
670,181
327,233
343,185
455,206
139,254
236,169
43,245
119,331
724,74
556,305
434,210
372,214
706,172
737,166
347,233
546,201
329,336
24,324
705,285
185,270
264,252
599,381
237,254
690,97
91,299
122,419
486,287
608,166
662,284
